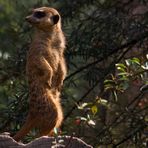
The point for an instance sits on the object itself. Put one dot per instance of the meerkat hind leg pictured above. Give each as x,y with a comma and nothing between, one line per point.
45,132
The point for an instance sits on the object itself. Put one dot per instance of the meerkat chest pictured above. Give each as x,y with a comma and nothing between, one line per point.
49,53
52,56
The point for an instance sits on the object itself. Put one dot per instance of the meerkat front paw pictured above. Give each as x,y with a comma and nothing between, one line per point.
49,84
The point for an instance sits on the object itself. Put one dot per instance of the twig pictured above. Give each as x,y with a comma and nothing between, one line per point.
129,136
70,139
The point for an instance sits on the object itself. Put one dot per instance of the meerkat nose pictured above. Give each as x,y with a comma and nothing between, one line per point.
28,18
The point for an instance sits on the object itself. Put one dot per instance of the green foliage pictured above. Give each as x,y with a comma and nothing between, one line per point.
107,65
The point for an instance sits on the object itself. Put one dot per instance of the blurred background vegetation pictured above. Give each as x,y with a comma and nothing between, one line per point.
105,94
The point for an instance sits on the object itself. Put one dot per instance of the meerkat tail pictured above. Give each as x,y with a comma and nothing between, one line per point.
24,130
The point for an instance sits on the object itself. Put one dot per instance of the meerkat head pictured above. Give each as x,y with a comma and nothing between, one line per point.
44,18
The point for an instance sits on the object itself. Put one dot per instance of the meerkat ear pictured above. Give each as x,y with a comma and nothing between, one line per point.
55,19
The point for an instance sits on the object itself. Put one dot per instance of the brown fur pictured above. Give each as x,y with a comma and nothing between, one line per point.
46,71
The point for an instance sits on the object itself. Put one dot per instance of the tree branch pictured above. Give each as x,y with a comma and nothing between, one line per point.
129,136
112,51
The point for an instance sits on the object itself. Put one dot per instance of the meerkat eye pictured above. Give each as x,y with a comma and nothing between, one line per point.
55,19
39,14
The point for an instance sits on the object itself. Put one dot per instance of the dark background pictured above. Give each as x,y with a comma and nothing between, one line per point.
104,97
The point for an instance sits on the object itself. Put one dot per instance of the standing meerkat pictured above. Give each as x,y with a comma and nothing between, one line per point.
46,70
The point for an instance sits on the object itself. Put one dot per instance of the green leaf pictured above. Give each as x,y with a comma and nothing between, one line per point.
94,109
124,86
128,62
124,79
109,81
136,60
123,73
83,105
91,122
88,116
121,67
115,95
103,101
55,131
83,118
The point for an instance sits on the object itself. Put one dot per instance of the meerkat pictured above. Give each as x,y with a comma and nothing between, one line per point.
46,70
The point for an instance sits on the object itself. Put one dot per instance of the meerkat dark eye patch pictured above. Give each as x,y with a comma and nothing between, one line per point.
39,14
55,19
